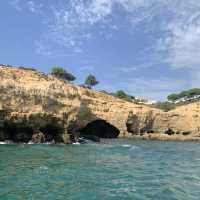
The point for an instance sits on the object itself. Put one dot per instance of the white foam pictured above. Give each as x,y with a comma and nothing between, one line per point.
7,142
131,147
30,142
2,142
126,145
77,143
134,147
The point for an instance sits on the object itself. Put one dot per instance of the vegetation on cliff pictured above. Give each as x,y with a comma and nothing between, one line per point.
61,73
123,95
91,81
187,94
165,106
43,108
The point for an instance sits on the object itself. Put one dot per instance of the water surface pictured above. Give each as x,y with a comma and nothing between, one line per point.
114,170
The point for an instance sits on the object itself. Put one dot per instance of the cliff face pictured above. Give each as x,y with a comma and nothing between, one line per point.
33,102
182,119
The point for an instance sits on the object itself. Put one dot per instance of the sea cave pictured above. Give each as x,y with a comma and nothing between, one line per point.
101,129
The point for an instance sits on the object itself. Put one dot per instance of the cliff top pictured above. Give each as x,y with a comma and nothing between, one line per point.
30,79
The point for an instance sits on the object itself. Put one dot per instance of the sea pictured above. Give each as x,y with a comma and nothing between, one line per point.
116,169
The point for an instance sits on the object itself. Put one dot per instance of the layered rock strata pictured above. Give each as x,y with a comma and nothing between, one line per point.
39,107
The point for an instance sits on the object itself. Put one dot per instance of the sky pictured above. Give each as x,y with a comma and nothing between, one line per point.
147,48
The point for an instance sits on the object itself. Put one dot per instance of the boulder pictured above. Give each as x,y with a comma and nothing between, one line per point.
132,123
38,138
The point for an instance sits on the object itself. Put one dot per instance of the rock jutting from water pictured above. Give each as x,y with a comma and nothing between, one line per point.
40,108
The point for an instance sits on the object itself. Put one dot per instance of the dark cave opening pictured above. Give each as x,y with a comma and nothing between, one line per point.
101,129
52,132
17,132
21,133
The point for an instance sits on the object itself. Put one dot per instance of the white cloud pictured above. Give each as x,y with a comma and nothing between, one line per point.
153,88
156,89
133,68
16,4
180,41
31,6
176,21
93,11
183,46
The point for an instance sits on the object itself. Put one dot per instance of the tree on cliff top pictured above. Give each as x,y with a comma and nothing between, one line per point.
173,97
61,73
122,95
91,81
184,94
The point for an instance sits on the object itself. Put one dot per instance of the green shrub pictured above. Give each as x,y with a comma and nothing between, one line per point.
27,68
122,95
184,94
91,81
165,106
61,73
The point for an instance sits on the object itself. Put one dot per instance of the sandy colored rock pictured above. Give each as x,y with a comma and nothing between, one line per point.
26,93
38,138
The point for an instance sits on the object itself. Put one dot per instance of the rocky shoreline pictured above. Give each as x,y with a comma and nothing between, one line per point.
148,137
164,137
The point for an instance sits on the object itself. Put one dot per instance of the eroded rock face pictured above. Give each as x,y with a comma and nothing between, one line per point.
16,132
38,128
59,110
38,138
132,123
2,137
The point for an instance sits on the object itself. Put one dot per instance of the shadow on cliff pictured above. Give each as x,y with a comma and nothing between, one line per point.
21,129
88,125
136,125
53,127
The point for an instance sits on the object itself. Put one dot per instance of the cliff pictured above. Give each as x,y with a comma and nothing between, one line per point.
37,106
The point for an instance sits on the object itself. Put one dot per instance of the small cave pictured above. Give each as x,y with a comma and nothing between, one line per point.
52,132
169,131
101,129
23,133
17,132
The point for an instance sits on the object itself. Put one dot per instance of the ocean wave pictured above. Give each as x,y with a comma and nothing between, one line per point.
7,142
76,143
130,147
126,145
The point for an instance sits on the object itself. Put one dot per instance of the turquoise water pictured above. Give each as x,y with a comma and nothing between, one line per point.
117,169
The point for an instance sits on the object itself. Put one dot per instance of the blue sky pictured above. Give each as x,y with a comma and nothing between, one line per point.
148,48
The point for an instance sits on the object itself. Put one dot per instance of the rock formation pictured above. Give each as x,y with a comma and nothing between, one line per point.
35,106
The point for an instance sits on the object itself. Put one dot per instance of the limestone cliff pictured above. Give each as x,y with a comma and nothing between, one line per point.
32,102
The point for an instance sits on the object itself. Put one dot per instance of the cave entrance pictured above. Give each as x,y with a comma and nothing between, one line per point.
52,132
17,132
101,129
